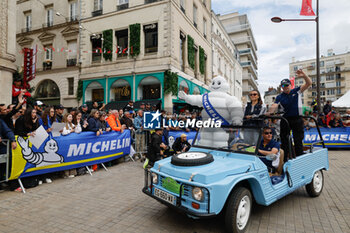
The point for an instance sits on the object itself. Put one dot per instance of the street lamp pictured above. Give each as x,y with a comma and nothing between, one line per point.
279,20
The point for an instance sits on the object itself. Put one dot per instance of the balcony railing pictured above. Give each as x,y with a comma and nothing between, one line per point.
47,65
48,24
28,29
151,1
249,52
96,13
122,6
71,62
72,18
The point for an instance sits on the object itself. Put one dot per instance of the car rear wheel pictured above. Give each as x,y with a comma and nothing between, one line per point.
238,210
315,188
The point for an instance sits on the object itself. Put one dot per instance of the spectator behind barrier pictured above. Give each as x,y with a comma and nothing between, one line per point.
322,122
47,119
27,124
6,133
114,123
336,122
80,124
69,127
94,123
104,124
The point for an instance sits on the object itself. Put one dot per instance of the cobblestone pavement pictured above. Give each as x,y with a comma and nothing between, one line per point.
113,202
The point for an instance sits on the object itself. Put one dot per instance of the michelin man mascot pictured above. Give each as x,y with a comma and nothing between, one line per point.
49,157
217,105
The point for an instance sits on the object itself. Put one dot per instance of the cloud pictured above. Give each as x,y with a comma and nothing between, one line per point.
278,43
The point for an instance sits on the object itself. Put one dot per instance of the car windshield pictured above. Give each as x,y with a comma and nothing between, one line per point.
236,139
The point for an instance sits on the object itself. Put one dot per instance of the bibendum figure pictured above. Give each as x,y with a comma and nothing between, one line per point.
49,157
218,105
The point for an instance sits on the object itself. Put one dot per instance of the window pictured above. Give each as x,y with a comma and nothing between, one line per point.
72,53
28,17
151,37
338,83
219,65
205,27
47,89
120,90
295,68
96,48
98,8
338,91
321,63
122,4
195,15
122,43
330,77
73,11
182,50
182,5
70,86
49,17
98,5
48,53
149,88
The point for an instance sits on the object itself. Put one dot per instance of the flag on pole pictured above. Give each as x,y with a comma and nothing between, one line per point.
306,8
292,81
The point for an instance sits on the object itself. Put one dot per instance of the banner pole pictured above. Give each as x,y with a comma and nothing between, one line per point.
88,169
20,184
104,167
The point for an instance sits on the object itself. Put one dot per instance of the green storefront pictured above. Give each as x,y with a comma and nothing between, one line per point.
148,88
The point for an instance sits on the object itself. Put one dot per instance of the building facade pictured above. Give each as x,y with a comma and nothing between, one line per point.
270,96
240,32
7,49
149,38
225,57
334,76
51,27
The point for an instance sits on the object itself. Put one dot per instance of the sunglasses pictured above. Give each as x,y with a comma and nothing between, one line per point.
285,85
253,94
267,133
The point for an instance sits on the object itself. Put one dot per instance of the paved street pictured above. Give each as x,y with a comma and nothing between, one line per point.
113,202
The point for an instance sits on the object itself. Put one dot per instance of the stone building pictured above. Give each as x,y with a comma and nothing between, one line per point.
334,76
240,32
225,57
52,26
7,49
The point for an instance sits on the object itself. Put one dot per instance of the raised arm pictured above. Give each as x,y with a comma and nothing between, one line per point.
300,74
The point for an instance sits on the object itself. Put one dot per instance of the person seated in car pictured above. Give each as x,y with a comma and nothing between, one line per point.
269,146
181,144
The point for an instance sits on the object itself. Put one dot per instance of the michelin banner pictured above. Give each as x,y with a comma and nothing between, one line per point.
176,134
67,152
333,138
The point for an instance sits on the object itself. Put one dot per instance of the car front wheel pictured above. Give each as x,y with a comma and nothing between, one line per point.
238,210
314,189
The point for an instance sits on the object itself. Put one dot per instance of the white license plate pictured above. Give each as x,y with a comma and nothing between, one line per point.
164,196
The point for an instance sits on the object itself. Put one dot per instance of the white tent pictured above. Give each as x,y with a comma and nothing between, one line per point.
342,102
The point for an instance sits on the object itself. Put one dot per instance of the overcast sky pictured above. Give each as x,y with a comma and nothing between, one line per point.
279,42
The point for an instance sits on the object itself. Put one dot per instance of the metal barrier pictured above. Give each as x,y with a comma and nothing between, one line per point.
5,162
141,141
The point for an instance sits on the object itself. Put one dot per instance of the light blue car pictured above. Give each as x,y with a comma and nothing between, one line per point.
209,180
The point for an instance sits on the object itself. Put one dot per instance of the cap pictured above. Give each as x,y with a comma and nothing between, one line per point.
285,81
131,111
142,103
333,112
84,106
131,101
73,109
321,114
148,104
38,103
60,106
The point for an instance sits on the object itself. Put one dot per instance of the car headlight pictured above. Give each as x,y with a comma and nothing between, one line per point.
154,178
197,194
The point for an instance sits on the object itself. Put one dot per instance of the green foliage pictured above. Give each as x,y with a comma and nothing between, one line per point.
107,46
190,51
80,90
201,60
170,82
135,33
